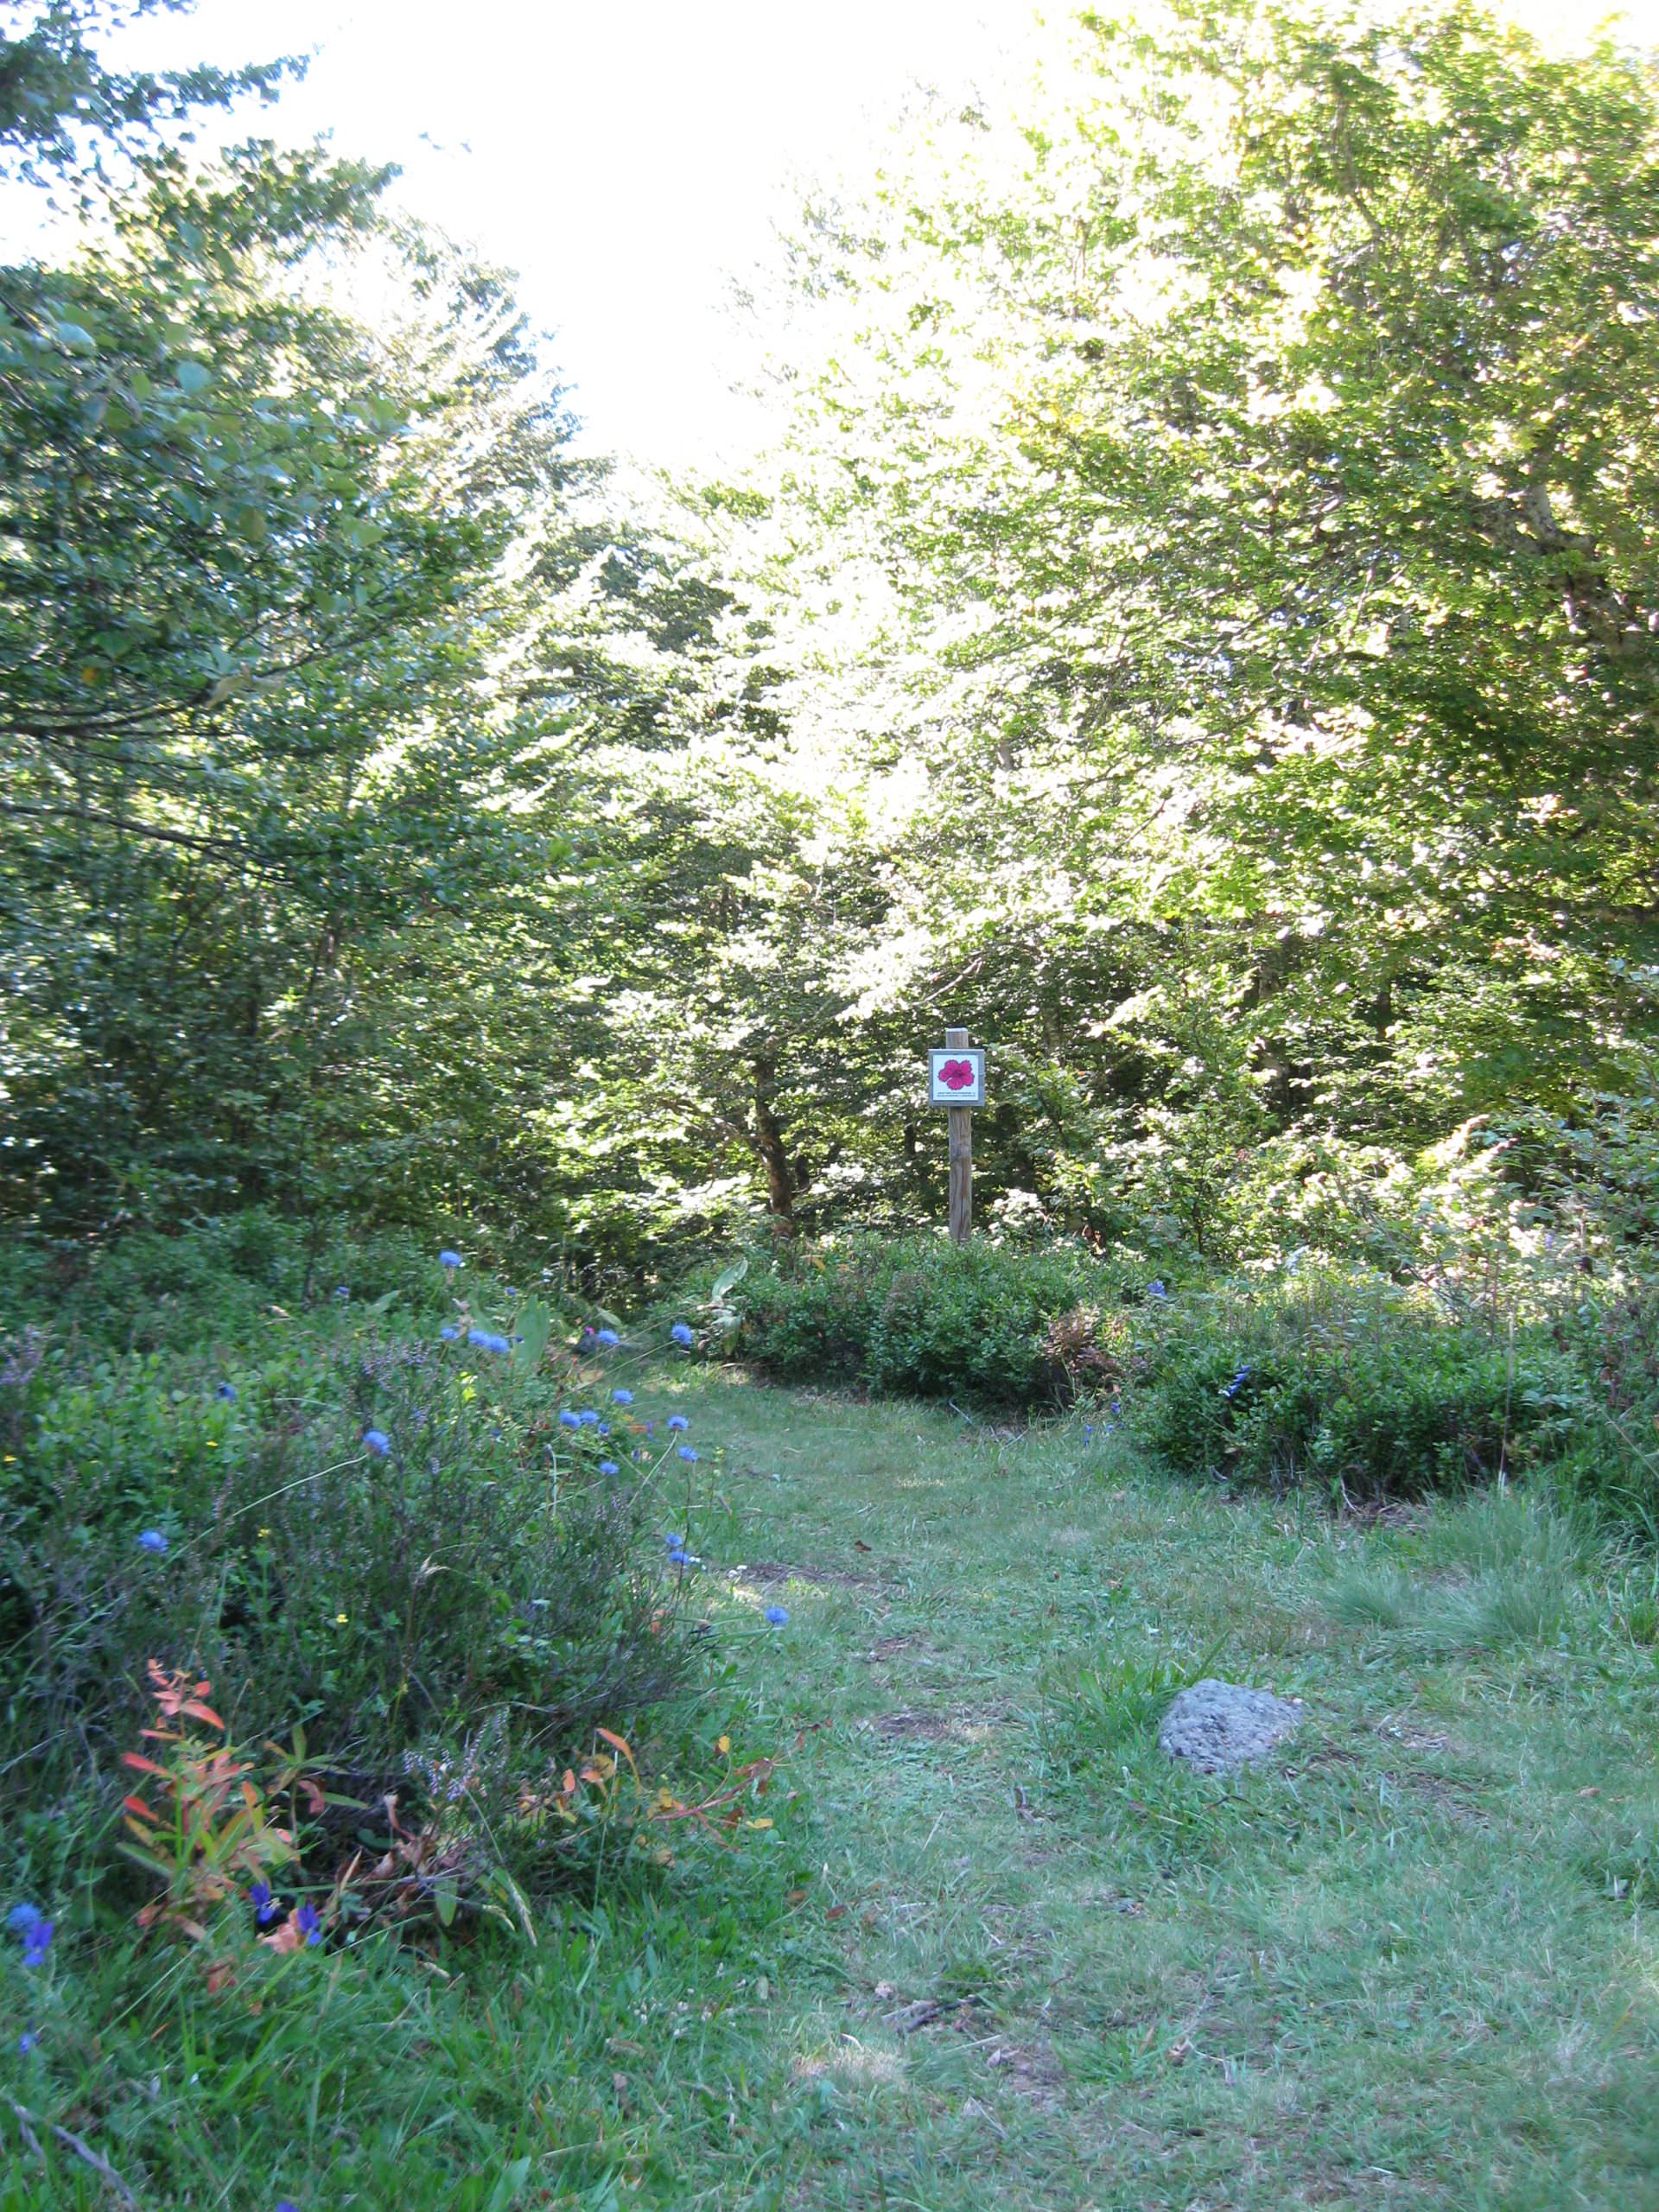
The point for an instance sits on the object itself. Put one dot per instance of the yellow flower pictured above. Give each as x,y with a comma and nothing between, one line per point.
340,1618
265,1532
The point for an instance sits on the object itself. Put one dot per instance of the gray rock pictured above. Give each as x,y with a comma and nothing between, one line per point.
1215,1726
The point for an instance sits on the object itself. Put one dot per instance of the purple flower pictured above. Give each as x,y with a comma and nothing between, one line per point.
777,1616
27,2041
378,1442
152,1539
227,1391
306,1920
22,1917
678,1421
37,1941
688,1453
609,1467
288,2205
568,1420
1088,1430
621,1397
449,1259
607,1337
682,1334
264,1907
1156,1290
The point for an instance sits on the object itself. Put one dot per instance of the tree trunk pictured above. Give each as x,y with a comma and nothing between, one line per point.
774,1154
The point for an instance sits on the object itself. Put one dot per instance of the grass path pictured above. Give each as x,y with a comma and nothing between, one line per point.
1413,1962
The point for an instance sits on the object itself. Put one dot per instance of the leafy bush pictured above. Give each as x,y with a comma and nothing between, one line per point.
218,1282
1346,1381
391,1539
998,1323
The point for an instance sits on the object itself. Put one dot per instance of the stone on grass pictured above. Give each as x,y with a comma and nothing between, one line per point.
1215,1726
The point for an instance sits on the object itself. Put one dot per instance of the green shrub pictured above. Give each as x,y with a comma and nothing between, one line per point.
384,1597
219,1282
1347,1382
1001,1325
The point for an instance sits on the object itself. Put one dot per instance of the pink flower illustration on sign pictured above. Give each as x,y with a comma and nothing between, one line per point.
957,1075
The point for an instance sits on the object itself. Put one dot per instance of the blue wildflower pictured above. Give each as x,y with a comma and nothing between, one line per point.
227,1391
22,1917
1156,1290
152,1539
263,1904
342,1296
682,1334
678,1421
1088,1430
27,2041
449,1259
688,1453
621,1397
675,1543
587,1418
449,1332
37,1941
1231,1389
288,2205
378,1442
777,1615
568,1420
306,1920
606,1337
487,1340
603,1429
609,1467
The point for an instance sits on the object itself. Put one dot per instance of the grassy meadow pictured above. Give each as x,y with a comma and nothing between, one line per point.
993,1949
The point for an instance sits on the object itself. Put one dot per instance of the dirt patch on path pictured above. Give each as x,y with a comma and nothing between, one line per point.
767,1574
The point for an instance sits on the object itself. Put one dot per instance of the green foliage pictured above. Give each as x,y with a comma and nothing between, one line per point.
62,111
919,1315
467,1560
1355,1385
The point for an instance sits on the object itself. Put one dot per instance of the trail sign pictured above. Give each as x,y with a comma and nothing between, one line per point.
955,1078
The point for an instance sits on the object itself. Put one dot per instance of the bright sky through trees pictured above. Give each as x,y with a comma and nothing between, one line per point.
629,162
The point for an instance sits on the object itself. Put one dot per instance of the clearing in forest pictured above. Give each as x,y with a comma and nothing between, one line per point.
1410,1962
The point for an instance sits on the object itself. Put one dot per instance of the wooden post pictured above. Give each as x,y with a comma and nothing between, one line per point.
962,1158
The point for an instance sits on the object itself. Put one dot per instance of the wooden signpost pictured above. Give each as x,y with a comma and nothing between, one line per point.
956,1080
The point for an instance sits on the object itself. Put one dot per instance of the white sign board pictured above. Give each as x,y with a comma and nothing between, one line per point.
955,1075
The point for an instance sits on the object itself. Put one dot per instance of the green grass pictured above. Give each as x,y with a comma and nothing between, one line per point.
998,1952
